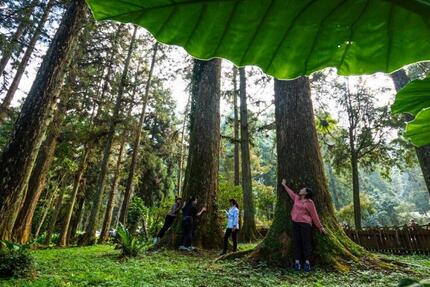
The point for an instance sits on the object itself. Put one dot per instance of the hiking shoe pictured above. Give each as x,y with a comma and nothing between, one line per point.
307,267
297,267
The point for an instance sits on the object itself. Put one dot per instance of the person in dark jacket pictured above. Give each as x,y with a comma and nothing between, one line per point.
189,213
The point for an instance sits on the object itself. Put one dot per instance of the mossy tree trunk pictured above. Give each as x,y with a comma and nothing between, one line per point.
300,162
38,178
201,176
34,117
248,231
400,79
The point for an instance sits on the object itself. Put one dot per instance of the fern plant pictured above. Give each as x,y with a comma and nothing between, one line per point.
129,243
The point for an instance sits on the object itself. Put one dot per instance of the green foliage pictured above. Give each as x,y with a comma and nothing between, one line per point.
286,39
346,213
15,260
129,243
98,266
414,98
136,214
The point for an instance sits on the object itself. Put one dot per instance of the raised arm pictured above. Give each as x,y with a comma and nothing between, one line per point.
290,192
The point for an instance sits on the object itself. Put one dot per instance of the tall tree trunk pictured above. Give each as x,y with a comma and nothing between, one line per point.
104,234
77,215
400,79
10,48
136,144
37,182
90,232
300,162
54,217
76,184
248,231
31,124
201,178
24,62
236,130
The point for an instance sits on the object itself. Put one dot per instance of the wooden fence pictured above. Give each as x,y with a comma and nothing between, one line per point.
396,240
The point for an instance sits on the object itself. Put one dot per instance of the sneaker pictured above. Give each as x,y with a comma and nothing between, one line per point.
307,267
183,248
297,267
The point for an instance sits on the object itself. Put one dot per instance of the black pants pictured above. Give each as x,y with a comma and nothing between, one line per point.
187,231
167,223
228,232
302,240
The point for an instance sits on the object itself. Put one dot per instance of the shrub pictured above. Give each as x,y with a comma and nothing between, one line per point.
129,243
414,283
15,260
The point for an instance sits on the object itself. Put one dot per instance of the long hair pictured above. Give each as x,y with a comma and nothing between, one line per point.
234,202
310,193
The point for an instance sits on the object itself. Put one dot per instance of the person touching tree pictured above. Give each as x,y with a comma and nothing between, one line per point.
189,213
303,215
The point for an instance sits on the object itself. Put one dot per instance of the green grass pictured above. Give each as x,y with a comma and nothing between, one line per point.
100,266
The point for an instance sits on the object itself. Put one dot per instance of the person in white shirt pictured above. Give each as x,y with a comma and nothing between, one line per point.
232,226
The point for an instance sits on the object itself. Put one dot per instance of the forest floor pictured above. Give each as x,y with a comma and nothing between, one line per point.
100,266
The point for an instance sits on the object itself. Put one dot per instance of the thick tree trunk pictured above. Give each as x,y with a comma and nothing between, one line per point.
136,145
90,232
248,231
104,234
25,22
299,161
55,213
37,182
201,178
76,184
24,62
236,130
31,124
400,79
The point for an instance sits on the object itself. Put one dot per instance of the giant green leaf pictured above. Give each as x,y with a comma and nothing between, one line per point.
413,97
419,129
286,38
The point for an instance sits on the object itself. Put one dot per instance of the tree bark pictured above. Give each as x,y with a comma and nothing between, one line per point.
248,231
300,162
201,178
32,121
56,212
7,53
236,130
400,79
104,234
90,232
136,144
76,184
37,182
77,216
24,62
356,190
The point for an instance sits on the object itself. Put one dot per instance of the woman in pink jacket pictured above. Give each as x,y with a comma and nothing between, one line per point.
303,215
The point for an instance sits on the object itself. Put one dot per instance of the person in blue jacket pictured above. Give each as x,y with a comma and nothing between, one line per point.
232,226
